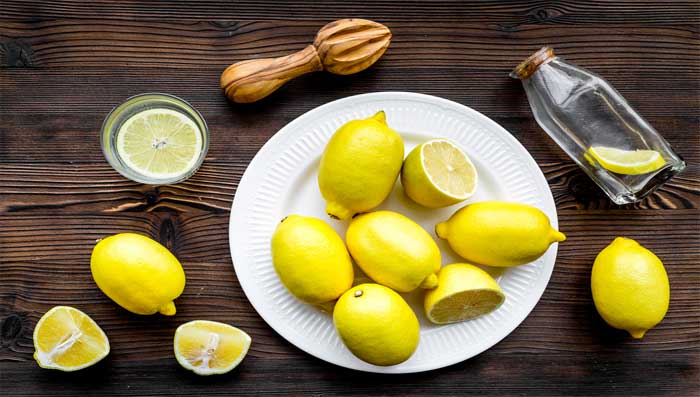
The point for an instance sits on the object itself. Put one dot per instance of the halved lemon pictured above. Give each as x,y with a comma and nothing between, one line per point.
68,340
438,173
464,292
627,162
159,143
209,347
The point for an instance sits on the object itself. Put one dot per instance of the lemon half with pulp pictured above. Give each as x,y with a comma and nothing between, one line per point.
437,173
464,292
159,143
68,340
627,162
209,347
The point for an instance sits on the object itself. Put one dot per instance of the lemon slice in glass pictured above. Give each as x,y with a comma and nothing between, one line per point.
209,347
438,173
68,340
627,162
464,292
159,143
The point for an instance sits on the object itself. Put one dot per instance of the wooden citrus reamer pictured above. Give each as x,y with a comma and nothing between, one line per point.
345,46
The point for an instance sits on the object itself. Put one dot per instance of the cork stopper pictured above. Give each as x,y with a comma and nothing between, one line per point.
529,66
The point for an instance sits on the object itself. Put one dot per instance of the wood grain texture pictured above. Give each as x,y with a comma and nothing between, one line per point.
64,65
215,45
494,373
56,95
488,11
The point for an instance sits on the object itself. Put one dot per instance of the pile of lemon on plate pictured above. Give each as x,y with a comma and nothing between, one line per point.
357,172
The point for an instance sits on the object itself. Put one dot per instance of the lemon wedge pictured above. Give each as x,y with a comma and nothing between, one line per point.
438,173
627,162
68,340
209,347
159,143
464,292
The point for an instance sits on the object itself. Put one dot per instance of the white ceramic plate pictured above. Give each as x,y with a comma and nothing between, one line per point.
281,180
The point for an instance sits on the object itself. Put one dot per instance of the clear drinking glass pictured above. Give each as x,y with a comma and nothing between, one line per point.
580,111
140,103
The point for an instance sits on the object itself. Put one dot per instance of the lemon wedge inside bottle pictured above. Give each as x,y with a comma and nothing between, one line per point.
627,162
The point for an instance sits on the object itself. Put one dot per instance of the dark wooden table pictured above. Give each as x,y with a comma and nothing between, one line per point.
66,63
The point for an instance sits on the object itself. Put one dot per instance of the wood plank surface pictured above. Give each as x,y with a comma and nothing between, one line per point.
63,66
216,45
493,11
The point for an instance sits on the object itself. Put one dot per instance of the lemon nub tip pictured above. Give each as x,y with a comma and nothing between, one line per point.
441,230
380,116
558,236
637,333
168,309
337,211
625,242
430,282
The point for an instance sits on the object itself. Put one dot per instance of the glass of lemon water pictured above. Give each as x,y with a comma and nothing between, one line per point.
155,139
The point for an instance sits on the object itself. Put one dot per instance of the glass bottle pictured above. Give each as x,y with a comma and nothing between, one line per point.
597,128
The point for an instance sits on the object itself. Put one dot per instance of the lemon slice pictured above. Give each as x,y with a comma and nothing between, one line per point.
627,162
159,143
68,340
464,292
209,347
438,173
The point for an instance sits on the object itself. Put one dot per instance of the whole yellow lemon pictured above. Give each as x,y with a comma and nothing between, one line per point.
393,250
138,273
630,287
376,324
359,166
499,233
311,259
